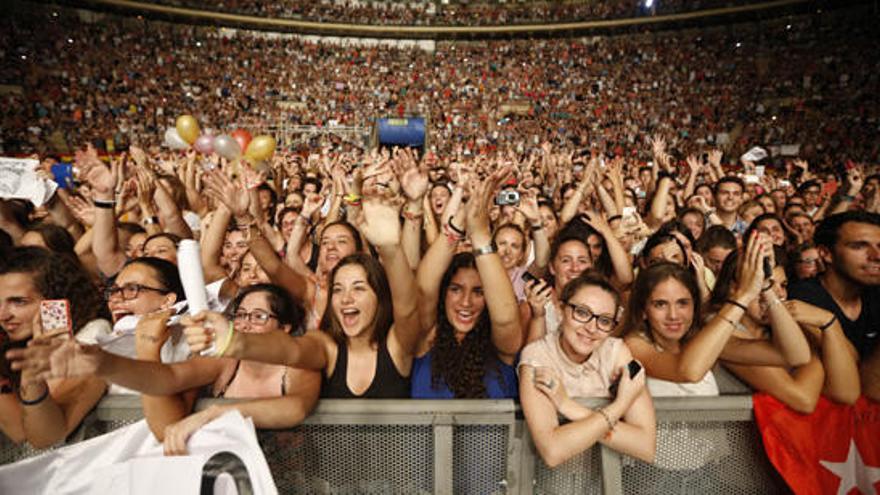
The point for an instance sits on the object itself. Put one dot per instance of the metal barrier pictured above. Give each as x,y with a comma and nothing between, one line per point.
705,444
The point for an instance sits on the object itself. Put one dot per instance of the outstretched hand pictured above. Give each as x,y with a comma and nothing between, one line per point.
230,193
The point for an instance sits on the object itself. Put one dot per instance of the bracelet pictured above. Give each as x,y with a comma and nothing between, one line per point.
737,304
409,215
480,251
455,229
36,401
611,424
831,322
107,205
304,219
614,217
353,199
151,220
228,341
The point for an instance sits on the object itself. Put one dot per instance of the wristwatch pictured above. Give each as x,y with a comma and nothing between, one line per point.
487,249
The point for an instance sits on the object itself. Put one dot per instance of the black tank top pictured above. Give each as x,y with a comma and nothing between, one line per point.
388,383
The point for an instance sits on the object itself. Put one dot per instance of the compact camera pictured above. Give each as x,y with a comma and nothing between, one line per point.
507,197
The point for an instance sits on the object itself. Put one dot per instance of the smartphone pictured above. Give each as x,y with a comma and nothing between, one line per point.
55,319
528,277
633,367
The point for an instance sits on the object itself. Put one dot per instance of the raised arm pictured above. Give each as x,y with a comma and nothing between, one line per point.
380,224
498,291
232,194
434,264
620,261
105,241
657,213
414,182
528,206
699,354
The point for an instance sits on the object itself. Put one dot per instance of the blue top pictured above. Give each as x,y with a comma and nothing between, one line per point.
500,384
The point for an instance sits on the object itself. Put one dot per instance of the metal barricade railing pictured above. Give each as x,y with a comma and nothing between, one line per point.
705,444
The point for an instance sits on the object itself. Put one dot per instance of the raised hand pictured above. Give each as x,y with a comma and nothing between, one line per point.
597,222
715,158
694,163
379,219
538,294
413,177
231,194
480,203
101,178
750,277
528,206
311,205
81,209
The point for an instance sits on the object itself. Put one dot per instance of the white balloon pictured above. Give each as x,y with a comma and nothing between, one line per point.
173,140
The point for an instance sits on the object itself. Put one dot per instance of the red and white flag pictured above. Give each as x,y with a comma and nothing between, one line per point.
834,450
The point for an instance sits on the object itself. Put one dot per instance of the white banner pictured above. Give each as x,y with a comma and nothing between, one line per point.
18,180
224,455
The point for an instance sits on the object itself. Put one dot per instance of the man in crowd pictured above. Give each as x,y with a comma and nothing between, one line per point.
728,198
849,244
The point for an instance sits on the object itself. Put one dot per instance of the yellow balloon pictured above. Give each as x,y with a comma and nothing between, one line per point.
188,128
260,148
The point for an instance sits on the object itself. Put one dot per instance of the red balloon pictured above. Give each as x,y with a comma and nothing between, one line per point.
243,138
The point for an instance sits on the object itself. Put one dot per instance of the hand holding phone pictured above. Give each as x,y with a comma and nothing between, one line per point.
633,367
55,321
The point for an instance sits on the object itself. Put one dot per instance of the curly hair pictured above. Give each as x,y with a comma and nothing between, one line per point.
462,365
58,277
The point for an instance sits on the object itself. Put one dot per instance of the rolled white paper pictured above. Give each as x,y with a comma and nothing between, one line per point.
189,263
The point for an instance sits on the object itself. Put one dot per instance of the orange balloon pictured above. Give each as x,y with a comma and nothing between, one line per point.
243,138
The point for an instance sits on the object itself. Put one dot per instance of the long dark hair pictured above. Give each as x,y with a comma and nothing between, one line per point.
648,279
377,281
462,365
57,239
58,277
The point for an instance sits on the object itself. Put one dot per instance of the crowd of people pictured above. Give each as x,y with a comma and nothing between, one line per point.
806,81
507,262
432,13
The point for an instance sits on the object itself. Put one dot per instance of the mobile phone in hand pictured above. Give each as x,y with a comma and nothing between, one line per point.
55,319
528,277
633,367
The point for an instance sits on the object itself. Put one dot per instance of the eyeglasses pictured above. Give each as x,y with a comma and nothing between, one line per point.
130,291
255,317
583,314
809,261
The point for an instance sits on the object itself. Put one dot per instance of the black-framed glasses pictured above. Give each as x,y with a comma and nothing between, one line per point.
255,317
130,291
585,315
